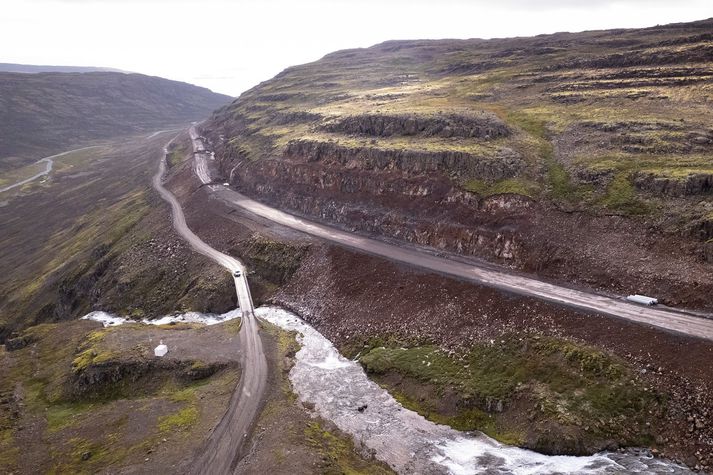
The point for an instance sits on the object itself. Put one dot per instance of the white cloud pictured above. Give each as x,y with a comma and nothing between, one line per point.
230,46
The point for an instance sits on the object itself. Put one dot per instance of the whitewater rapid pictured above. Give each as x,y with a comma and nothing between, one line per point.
109,320
338,388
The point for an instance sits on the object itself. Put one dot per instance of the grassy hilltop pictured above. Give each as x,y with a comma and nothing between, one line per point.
570,147
582,111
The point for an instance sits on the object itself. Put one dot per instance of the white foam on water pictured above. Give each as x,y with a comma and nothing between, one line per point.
463,456
338,388
109,320
331,362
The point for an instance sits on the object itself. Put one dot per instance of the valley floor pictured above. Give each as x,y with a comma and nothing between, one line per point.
367,306
362,302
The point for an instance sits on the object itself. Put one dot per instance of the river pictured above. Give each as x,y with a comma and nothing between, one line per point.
406,441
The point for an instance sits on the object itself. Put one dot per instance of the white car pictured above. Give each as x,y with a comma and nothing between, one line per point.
237,273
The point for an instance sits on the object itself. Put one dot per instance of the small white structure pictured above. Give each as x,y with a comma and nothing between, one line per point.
642,299
161,349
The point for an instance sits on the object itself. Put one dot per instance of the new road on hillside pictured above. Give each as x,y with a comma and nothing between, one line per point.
667,319
226,443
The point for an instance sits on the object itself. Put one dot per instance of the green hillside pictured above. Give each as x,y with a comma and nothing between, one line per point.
587,156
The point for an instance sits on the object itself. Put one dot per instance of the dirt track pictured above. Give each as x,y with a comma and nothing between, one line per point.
48,168
226,442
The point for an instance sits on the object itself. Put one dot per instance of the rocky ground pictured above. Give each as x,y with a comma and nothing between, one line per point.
362,302
77,398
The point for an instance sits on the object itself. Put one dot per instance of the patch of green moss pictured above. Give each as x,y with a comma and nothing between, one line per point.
61,415
530,123
233,326
182,420
90,353
287,347
187,394
83,456
621,196
174,158
9,451
559,183
338,453
568,383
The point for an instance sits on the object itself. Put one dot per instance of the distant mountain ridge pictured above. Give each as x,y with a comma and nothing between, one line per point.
34,69
48,112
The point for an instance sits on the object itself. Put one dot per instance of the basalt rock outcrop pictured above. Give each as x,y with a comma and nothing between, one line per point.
644,56
99,379
405,195
505,164
695,184
485,126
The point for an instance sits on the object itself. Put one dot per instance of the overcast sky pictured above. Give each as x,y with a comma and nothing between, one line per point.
229,46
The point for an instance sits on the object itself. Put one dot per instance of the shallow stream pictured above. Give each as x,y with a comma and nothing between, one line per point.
338,388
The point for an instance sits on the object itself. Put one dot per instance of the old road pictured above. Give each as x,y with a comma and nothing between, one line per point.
48,168
667,319
226,443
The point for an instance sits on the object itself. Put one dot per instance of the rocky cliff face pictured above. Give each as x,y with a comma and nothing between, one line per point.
694,184
99,379
429,212
485,126
551,154
505,164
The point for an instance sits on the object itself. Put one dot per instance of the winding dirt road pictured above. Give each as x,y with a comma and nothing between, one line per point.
48,168
226,443
489,275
